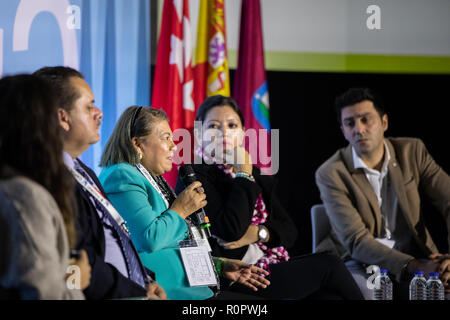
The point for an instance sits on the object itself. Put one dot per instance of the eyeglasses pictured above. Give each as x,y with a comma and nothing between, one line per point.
133,121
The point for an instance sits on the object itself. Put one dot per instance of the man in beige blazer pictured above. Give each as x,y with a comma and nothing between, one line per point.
370,190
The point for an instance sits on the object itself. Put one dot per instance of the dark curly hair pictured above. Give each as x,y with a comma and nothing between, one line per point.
356,95
30,140
217,101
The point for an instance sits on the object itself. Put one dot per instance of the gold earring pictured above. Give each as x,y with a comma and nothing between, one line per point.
140,156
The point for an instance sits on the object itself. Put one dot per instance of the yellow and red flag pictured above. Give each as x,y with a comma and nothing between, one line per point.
210,68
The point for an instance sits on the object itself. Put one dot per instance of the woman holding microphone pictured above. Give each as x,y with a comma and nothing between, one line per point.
136,155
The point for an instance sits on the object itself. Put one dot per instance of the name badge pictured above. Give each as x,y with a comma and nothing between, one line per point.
198,264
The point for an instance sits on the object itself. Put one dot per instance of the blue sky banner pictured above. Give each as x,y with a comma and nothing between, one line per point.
107,40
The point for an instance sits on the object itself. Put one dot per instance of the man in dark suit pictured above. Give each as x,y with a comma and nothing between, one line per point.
370,190
116,268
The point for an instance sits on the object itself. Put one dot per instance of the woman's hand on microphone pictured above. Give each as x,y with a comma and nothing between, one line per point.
190,200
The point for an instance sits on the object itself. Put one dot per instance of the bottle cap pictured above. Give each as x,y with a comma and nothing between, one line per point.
418,273
434,274
383,271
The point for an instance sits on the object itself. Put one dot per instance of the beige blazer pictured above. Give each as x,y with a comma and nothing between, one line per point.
355,215
33,242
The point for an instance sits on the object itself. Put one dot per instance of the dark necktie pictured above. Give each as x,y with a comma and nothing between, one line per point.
136,270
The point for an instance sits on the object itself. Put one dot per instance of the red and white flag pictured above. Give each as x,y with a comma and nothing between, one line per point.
173,82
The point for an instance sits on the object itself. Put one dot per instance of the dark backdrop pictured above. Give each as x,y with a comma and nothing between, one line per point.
301,106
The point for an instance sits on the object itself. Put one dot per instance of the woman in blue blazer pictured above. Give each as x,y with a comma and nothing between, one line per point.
138,152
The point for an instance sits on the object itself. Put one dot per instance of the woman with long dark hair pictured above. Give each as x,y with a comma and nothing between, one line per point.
36,206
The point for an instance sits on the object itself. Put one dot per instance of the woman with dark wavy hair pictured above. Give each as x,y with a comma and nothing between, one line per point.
36,206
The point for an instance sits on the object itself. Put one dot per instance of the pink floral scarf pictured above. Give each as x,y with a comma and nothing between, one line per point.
260,215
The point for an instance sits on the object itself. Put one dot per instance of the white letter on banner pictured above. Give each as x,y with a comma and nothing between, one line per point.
74,20
28,10
374,20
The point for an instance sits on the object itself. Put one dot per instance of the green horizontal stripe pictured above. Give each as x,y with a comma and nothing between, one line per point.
340,62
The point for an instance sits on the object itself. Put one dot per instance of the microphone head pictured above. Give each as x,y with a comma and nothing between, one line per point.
187,174
199,218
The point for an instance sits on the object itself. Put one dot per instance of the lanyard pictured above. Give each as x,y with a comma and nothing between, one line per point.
152,181
100,198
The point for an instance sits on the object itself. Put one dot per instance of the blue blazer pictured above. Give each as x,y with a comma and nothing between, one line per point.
154,228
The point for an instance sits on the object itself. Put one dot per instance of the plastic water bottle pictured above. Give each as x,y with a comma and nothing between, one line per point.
383,286
435,288
418,287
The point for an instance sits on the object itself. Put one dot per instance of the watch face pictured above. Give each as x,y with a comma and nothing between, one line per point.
262,234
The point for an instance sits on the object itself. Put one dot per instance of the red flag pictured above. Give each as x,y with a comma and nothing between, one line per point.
173,82
250,85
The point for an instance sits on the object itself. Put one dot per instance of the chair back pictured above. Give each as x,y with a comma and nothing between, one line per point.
320,225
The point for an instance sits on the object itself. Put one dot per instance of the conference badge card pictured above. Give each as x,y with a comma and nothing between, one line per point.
198,266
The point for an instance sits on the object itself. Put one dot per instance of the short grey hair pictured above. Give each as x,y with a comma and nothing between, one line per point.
119,147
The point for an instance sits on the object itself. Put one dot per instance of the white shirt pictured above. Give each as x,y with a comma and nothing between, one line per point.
113,251
375,179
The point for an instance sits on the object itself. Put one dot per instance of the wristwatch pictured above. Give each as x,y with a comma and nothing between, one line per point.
263,233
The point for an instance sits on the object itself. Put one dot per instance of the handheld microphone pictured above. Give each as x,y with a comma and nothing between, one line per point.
199,217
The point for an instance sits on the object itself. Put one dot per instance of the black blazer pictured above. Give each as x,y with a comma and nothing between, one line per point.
230,207
106,281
